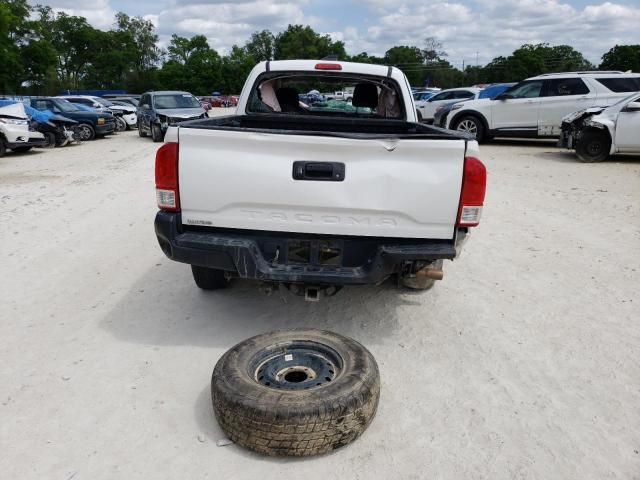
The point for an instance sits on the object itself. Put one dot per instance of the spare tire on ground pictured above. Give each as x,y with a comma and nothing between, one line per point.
295,392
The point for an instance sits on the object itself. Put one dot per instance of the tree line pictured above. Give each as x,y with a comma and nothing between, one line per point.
43,52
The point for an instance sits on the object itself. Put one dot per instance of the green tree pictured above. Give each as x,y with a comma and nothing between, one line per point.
409,60
14,23
530,60
432,51
73,39
235,69
300,42
364,57
193,65
622,57
39,62
145,51
261,46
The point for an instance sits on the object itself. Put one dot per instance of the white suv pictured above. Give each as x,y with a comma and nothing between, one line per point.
535,107
428,107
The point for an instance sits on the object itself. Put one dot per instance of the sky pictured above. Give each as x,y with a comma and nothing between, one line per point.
470,31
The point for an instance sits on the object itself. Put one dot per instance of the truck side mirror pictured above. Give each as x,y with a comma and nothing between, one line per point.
632,107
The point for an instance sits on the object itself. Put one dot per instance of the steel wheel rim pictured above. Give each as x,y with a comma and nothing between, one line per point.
594,148
85,133
468,126
299,365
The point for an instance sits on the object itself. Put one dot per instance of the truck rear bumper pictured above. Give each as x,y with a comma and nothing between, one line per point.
269,256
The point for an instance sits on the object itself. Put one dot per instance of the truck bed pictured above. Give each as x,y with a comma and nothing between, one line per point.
360,127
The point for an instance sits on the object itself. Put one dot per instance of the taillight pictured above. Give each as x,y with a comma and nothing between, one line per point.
474,183
167,193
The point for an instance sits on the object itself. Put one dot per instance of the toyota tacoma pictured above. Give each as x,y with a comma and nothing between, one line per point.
315,197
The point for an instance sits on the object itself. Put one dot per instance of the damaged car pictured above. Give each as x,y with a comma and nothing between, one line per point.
597,132
15,132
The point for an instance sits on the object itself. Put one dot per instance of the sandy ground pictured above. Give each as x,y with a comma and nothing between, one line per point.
524,363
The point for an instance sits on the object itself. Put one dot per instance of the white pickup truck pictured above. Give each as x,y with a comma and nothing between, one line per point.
317,197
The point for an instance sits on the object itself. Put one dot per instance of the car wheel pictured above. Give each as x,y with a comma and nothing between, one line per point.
471,125
86,132
121,125
156,133
141,132
50,140
593,147
3,148
209,278
295,392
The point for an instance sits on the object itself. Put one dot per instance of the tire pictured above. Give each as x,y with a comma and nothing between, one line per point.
21,149
209,278
156,133
472,125
141,132
593,147
295,392
121,125
86,132
50,138
3,148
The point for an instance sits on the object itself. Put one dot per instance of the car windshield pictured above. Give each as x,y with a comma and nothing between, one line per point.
177,100
65,105
104,102
297,94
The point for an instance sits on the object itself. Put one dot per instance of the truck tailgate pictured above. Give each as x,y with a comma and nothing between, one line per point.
407,188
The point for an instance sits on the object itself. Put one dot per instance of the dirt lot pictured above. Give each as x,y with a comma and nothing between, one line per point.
524,363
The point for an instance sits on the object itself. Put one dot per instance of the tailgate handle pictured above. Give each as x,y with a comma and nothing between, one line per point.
319,171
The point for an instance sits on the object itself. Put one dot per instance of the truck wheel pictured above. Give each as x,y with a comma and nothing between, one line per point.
295,392
156,133
472,125
593,147
209,278
86,132
141,132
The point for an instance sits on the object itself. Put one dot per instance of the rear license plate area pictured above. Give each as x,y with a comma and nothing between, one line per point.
314,252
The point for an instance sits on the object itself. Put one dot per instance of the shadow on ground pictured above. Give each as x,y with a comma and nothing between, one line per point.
164,307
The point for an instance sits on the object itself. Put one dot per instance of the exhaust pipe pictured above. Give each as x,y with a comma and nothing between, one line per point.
430,273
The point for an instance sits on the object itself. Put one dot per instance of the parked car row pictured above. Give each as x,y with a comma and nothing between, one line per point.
57,121
596,113
217,100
